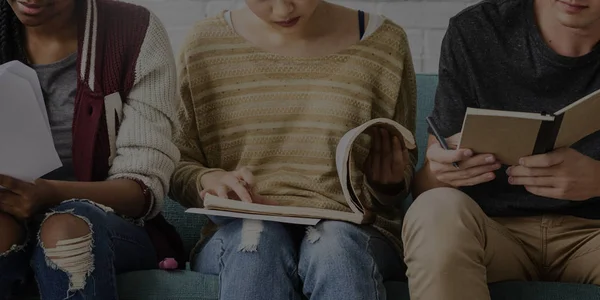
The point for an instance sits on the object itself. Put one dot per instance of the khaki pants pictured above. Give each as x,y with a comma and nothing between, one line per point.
452,249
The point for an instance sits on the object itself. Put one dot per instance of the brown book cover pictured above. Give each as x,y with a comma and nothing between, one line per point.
510,135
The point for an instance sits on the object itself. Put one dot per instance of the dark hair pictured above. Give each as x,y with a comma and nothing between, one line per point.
11,35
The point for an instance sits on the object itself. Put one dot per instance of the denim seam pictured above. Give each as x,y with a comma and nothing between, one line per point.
361,230
221,265
111,247
198,247
295,275
374,267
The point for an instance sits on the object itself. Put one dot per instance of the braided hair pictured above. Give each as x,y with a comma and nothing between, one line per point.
11,35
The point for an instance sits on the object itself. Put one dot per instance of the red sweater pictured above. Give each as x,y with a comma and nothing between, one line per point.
111,37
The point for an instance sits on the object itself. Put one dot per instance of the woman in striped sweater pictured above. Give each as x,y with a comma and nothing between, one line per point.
110,96
268,91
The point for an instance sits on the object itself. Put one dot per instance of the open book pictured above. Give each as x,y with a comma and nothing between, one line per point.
305,215
511,135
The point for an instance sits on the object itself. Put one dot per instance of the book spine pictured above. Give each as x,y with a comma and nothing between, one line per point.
547,135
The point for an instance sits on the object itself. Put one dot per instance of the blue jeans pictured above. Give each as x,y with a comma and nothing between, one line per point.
268,260
116,246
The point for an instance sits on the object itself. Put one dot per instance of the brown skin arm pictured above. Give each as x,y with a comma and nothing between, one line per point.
424,179
123,195
23,199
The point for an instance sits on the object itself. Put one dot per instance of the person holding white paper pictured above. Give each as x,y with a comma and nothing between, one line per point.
108,78
268,92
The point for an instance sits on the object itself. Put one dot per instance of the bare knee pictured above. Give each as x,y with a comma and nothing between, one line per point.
11,233
61,227
66,240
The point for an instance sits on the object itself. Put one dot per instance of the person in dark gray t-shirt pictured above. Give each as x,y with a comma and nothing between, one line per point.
487,222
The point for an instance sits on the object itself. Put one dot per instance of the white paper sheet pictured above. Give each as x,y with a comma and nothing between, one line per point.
27,151
20,69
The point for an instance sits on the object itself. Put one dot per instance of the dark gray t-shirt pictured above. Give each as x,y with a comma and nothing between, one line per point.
494,57
59,87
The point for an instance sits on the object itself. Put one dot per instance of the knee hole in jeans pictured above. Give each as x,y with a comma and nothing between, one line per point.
67,243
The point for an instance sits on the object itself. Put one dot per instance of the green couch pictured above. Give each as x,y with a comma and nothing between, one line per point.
180,285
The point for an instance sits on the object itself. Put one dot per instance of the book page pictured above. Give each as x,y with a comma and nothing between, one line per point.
240,215
580,119
507,137
239,209
344,155
342,158
27,151
212,202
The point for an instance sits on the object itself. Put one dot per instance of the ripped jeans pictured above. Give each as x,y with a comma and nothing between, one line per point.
268,260
80,268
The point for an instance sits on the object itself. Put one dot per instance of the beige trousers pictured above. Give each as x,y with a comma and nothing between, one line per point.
452,249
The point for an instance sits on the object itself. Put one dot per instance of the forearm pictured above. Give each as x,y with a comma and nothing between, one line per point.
124,196
425,180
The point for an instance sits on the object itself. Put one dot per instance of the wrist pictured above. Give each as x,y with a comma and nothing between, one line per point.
389,189
52,192
207,177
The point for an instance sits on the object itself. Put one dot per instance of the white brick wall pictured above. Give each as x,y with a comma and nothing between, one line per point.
424,21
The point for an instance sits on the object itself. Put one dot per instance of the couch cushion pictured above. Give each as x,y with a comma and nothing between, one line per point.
543,291
164,285
188,225
426,88
186,285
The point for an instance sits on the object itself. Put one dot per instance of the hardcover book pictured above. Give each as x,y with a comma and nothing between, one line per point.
510,135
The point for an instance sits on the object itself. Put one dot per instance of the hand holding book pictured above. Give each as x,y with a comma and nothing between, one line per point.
221,187
23,199
473,168
564,174
510,135
386,162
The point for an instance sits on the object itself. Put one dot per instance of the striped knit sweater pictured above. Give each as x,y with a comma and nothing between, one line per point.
282,117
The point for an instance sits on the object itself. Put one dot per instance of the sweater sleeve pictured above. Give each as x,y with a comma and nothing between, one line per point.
145,148
185,182
405,114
